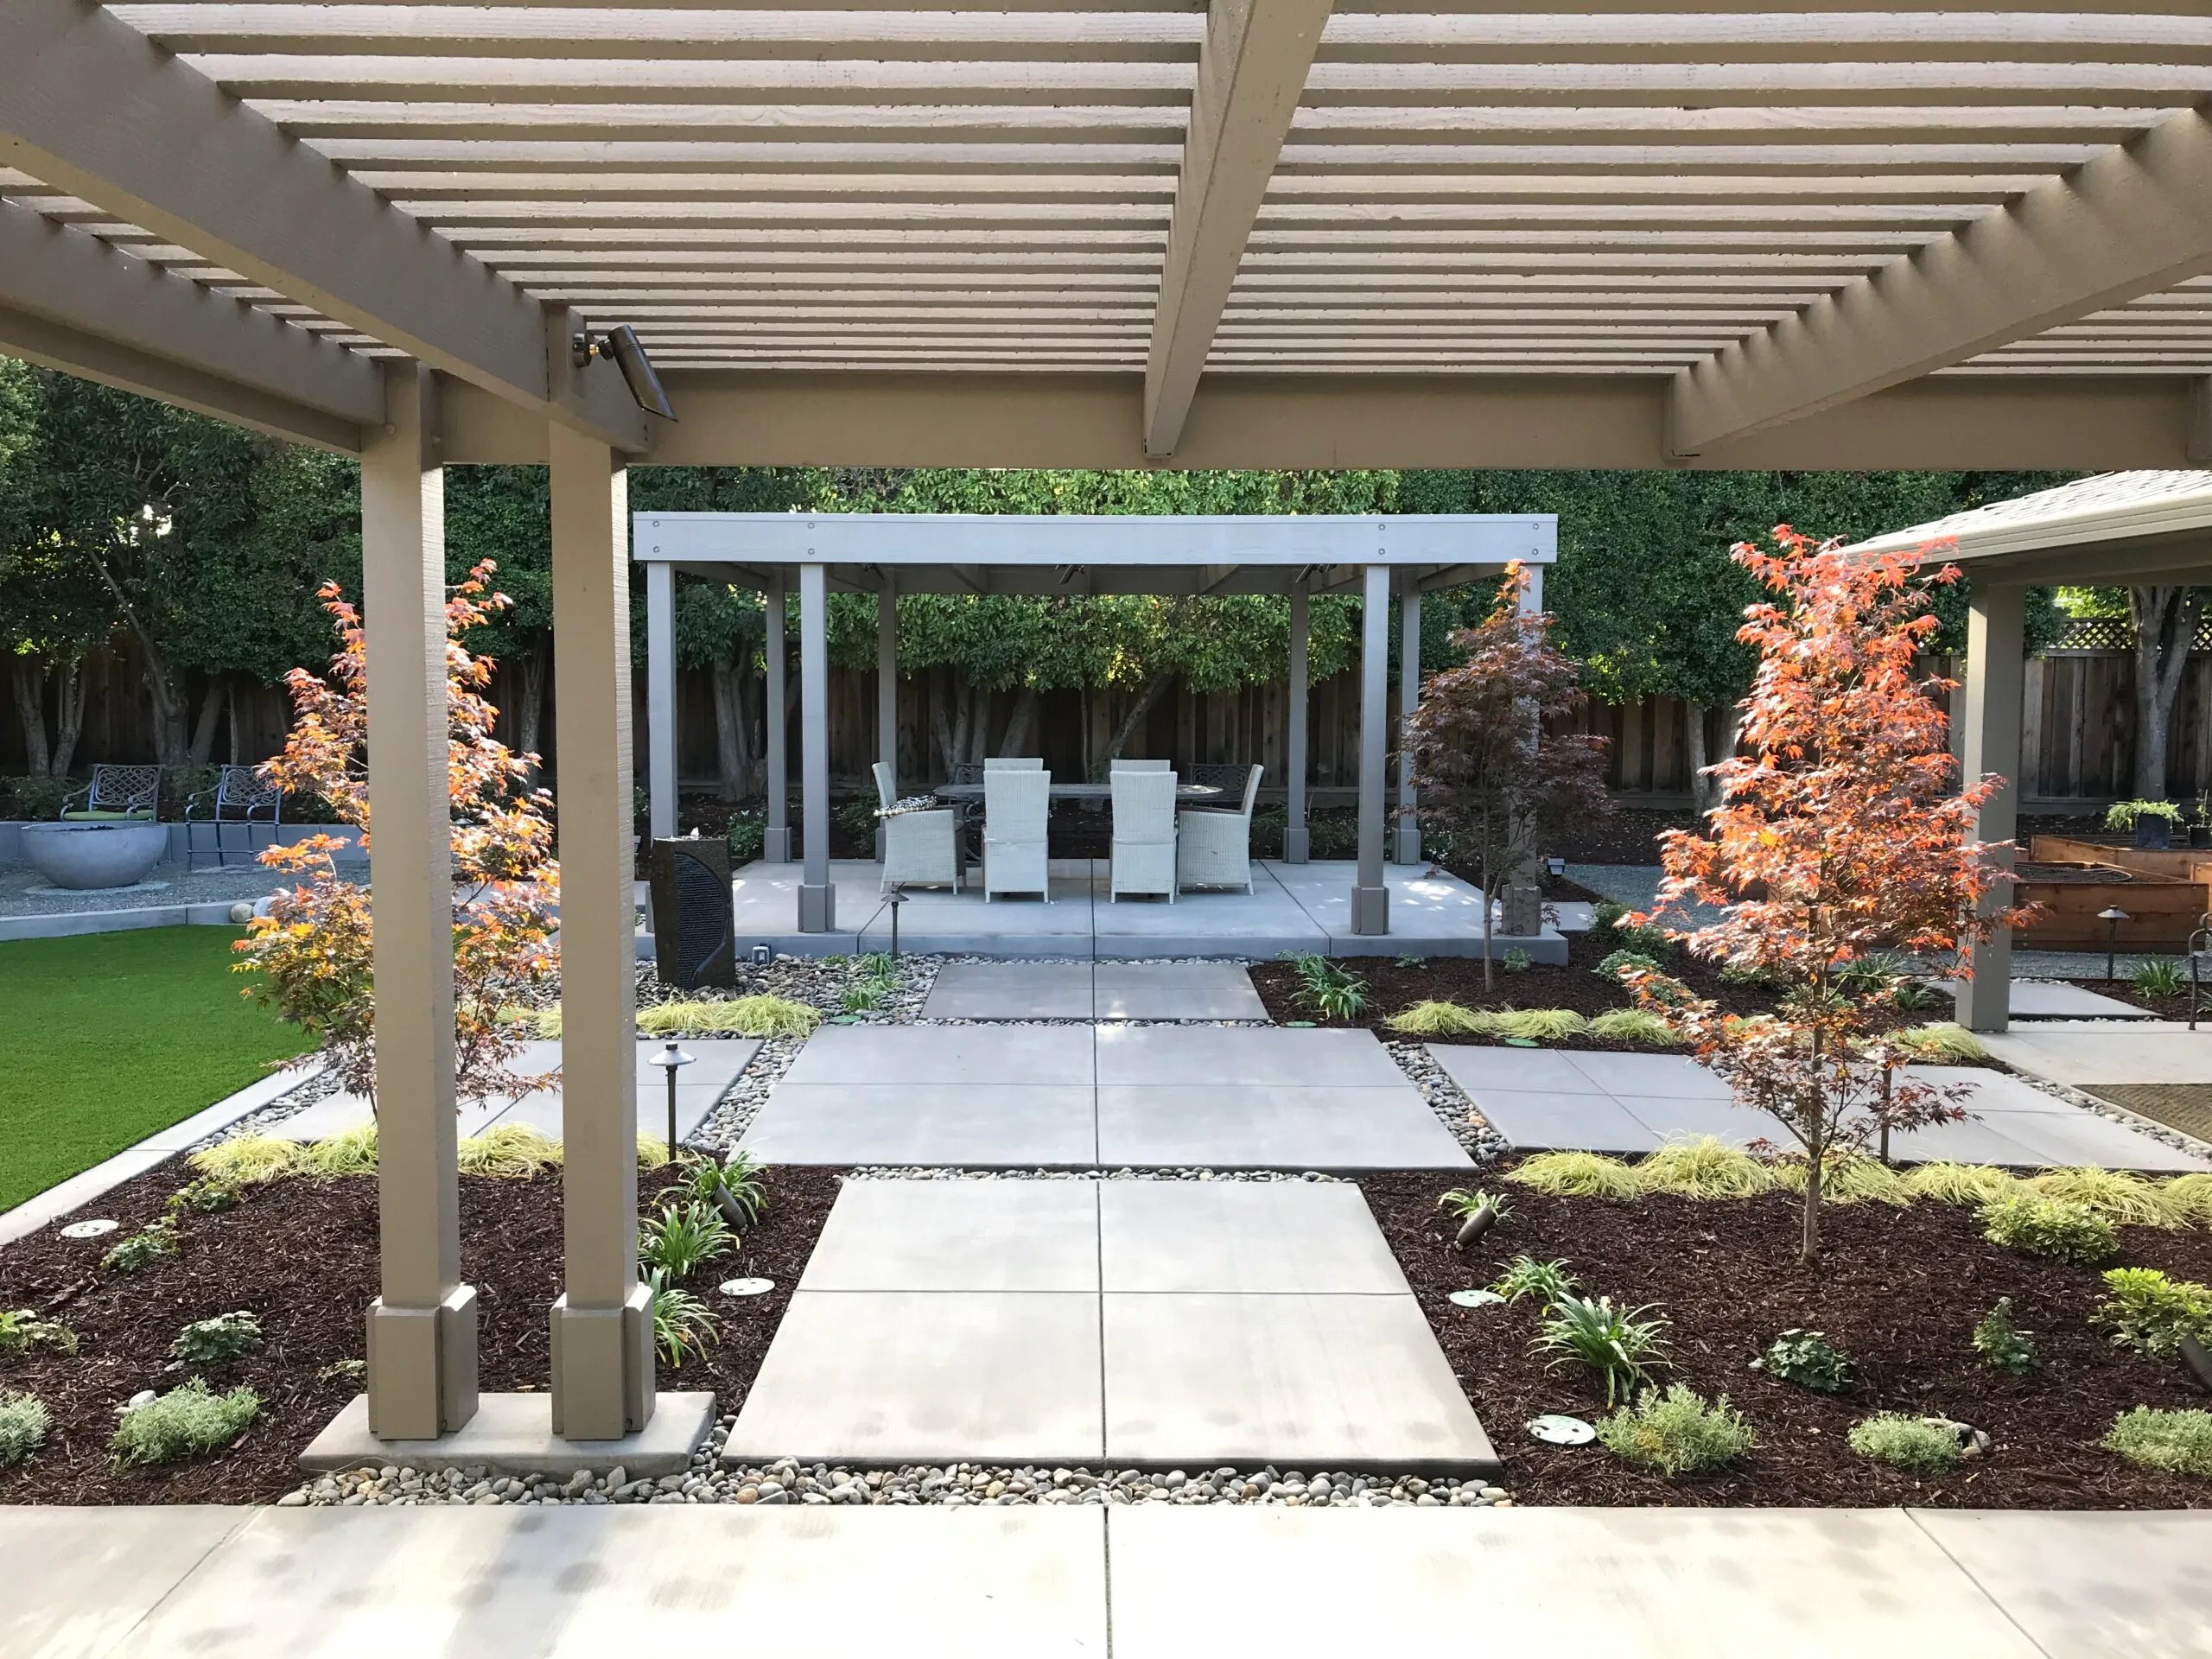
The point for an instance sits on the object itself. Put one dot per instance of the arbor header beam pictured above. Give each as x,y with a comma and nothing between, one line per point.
1252,69
90,106
2132,220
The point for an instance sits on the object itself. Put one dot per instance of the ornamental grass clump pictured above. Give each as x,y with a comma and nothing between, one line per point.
23,1424
1633,1025
2190,1198
2051,1228
1434,1019
1676,1432
683,1324
249,1160
1620,1345
189,1421
1540,1025
1704,1168
350,1152
1548,1281
1967,1184
2123,1199
508,1151
2151,1313
2179,1442
1576,1175
1851,1178
1942,1043
1912,1444
743,1016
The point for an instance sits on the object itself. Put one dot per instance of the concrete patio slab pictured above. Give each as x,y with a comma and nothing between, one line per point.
1477,1068
79,1579
1272,1126
902,1376
2084,1584
1000,1236
2085,1053
1297,1381
1176,990
540,1583
944,1054
1567,1584
2079,1136
1564,1123
1168,1054
2051,998
512,1434
1665,1077
994,1125
1010,990
1678,1119
1976,1140
1251,1238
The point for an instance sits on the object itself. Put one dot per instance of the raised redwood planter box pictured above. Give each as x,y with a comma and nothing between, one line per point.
2162,911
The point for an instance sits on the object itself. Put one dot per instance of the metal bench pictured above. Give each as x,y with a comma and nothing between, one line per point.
241,796
116,792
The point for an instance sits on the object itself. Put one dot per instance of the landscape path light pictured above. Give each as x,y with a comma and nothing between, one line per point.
671,1059
2112,916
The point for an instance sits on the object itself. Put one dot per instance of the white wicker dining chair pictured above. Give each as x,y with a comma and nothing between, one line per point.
1011,763
1017,800
921,842
1213,845
1144,833
1138,766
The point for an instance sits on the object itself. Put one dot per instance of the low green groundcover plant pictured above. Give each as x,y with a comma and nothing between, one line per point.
21,1330
2001,1344
24,1423
1912,1444
218,1341
2151,1313
189,1421
142,1249
1808,1360
2056,1229
2179,1442
1676,1432
1617,964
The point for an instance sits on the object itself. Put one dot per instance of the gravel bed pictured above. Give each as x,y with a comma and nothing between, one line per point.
1449,1102
947,1485
167,884
2149,1127
935,1173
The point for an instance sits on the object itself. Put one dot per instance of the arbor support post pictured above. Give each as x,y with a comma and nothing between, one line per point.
776,839
660,697
1409,831
421,1329
886,691
1521,907
817,899
602,1324
1996,652
1296,842
1371,893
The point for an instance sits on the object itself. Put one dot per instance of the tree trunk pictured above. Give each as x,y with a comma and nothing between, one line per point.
948,690
70,684
27,682
1020,722
729,731
1489,897
1816,1152
1153,690
1693,747
2166,627
230,705
530,698
210,721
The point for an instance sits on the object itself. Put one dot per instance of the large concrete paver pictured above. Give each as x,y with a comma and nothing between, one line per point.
945,1054
1177,990
1002,1235
2085,1053
79,1579
1540,1122
1272,1126
1234,1054
977,1125
1270,1237
1010,990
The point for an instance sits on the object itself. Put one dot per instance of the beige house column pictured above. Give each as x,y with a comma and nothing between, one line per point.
1295,840
776,839
1371,893
421,1337
602,1325
886,691
1407,849
1996,649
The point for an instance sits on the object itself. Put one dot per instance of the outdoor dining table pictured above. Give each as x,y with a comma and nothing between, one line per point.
1076,791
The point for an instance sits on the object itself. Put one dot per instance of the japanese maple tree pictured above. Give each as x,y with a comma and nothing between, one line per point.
313,949
1487,769
1842,835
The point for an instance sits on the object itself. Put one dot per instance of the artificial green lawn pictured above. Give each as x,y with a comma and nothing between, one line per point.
107,1038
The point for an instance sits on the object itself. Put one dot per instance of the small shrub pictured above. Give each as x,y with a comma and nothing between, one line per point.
1539,1025
1764,979
203,1198
2158,976
1676,1432
2001,1344
1704,1168
508,1151
1808,1360
1868,975
1973,1183
1617,964
2051,1228
1912,1444
1620,1345
1647,940
1327,987
24,1423
1606,915
1911,996
742,1016
2124,815
142,1249
1634,1026
1945,1043
1442,1020
189,1421
1576,1175
350,1152
2188,1197
2179,1442
1548,1281
2151,1313
683,1237
21,1330
1518,961
682,1323
248,1160
218,1341
2123,1199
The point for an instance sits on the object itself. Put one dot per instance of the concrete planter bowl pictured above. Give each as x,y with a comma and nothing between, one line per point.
85,857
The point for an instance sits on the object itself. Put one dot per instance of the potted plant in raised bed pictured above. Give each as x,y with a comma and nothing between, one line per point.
2200,827
2152,822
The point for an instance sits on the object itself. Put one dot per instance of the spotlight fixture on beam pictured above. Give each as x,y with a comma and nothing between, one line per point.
621,345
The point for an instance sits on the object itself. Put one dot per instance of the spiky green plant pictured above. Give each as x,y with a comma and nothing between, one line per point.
683,1237
2158,976
1906,1443
24,1421
1676,1432
1942,1043
682,1323
189,1421
1434,1019
2123,1199
1548,1281
1620,1345
249,1160
1464,1204
1704,1168
1576,1175
2179,1442
1967,1184
509,1151
1328,988
1634,1026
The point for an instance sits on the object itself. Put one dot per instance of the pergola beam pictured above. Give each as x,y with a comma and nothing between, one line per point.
91,107
1252,70
2136,219
70,301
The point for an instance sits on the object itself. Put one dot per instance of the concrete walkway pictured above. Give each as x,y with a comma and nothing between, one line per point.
1034,1584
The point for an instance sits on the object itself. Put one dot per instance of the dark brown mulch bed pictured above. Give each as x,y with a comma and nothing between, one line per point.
303,1255
2166,1008
1899,1292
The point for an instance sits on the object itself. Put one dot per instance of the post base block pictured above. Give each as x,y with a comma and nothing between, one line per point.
1406,844
603,1368
1297,845
776,845
513,1435
817,908
1370,910
421,1367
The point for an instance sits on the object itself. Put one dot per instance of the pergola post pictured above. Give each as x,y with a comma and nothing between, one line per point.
421,1329
660,696
1408,835
1995,653
817,899
1296,842
776,839
1522,906
887,688
1371,893
602,1324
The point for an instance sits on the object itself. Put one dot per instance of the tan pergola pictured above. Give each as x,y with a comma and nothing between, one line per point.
1463,234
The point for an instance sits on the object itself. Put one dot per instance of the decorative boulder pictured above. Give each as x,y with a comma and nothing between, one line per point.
86,856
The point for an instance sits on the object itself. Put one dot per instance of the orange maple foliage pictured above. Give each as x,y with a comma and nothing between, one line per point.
1843,835
313,951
